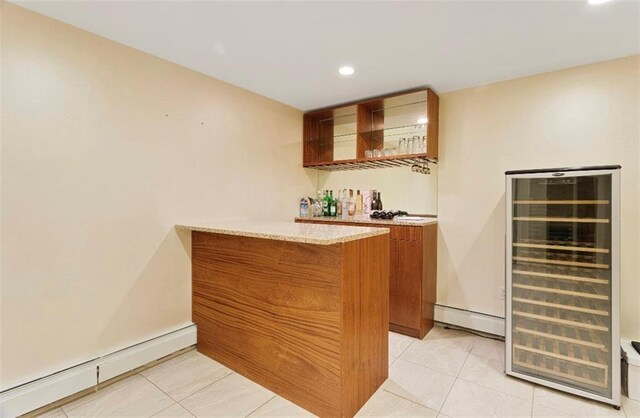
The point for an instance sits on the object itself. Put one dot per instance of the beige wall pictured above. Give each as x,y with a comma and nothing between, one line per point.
576,117
94,176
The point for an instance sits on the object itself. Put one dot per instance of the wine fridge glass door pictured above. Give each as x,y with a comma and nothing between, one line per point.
560,262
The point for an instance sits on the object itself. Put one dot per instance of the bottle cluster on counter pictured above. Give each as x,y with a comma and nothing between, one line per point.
343,204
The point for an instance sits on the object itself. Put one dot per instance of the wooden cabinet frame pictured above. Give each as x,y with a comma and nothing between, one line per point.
318,136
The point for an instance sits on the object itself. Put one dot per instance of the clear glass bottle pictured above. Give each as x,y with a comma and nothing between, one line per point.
358,204
304,207
317,205
345,204
339,204
352,203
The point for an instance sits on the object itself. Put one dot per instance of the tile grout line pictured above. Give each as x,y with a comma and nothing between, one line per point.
533,388
95,391
405,349
407,399
268,400
170,406
157,387
456,378
486,387
430,368
187,409
204,387
494,389
447,397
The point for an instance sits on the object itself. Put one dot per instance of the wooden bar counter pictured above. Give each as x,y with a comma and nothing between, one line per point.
301,309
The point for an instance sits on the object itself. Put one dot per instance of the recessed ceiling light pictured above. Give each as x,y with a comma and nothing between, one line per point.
422,121
598,1
346,70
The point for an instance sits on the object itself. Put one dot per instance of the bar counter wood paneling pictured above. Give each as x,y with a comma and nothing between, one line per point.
307,321
412,276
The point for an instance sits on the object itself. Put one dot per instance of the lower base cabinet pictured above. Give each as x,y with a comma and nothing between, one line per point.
412,275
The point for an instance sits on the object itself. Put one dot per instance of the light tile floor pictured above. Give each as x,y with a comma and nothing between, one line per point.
448,374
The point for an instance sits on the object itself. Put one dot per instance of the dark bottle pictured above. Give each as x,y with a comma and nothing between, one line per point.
332,204
374,202
379,200
325,203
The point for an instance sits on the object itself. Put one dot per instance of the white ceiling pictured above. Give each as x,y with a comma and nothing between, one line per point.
290,51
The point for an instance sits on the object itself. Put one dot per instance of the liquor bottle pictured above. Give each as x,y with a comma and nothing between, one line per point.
358,204
325,204
366,202
339,204
374,201
332,204
352,203
345,204
304,207
317,205
379,202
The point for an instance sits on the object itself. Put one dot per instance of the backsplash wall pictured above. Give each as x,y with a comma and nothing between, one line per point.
400,187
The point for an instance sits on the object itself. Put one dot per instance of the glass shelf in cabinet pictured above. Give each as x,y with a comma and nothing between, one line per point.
336,139
422,103
408,131
339,117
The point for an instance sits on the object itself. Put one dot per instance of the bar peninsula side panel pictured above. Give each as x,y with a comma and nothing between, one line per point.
307,321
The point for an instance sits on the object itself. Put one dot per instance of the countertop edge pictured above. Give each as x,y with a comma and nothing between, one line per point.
364,221
281,237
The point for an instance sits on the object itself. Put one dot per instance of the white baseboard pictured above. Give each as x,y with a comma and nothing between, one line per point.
48,389
471,320
132,357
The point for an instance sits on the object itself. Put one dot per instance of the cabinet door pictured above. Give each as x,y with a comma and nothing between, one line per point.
405,279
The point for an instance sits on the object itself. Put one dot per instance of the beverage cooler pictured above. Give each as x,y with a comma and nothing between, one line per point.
562,279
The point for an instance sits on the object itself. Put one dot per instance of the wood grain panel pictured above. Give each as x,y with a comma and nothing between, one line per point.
308,322
429,277
317,137
433,113
363,124
365,332
310,132
405,283
406,233
265,312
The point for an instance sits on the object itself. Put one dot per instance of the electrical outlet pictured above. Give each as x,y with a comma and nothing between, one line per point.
501,292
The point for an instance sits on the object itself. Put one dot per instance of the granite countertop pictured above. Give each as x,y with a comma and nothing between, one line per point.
367,220
288,231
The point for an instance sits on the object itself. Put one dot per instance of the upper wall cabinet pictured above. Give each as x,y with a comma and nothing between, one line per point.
389,131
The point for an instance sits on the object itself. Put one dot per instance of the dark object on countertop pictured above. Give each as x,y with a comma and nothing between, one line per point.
380,214
636,345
